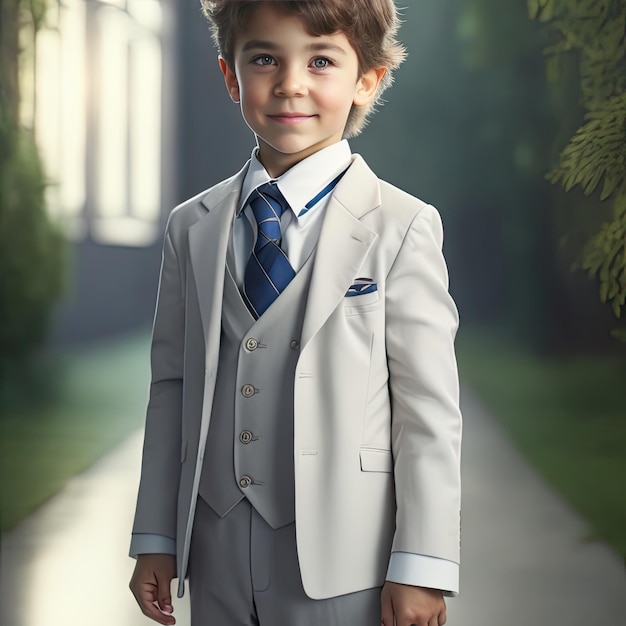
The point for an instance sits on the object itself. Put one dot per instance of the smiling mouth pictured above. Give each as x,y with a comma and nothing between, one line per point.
291,118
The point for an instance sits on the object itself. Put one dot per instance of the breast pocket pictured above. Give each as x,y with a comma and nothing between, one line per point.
361,304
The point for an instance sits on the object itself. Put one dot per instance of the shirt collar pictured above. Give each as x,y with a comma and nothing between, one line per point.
304,180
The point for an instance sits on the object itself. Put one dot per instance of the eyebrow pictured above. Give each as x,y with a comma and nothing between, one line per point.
321,47
314,47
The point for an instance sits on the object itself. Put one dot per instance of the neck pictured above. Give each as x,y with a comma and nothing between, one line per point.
277,167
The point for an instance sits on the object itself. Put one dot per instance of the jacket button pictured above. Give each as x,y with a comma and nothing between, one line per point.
294,345
245,437
245,482
252,344
247,391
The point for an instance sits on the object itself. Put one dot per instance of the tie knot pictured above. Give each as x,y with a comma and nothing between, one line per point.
267,204
268,199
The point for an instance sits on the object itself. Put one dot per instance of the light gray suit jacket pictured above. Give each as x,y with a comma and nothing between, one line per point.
377,427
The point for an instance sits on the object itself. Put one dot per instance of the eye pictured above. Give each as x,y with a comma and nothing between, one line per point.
263,59
321,63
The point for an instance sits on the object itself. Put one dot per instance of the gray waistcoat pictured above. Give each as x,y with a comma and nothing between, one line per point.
249,450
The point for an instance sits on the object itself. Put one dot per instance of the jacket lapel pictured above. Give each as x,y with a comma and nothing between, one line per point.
343,244
208,244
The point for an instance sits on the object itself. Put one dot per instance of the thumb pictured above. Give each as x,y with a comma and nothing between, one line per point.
164,594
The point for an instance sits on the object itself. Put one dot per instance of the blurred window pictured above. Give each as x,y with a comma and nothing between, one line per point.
128,153
95,104
54,104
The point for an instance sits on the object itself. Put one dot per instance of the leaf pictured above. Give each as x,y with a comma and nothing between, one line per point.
617,309
611,183
542,10
604,291
533,9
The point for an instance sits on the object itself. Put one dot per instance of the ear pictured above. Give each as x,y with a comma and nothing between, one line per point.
232,85
367,85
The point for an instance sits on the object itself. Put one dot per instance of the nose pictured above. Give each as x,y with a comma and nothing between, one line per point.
291,83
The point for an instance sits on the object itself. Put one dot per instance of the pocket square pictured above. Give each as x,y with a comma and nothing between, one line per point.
361,287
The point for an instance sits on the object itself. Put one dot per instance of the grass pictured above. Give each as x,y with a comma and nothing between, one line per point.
567,416
99,397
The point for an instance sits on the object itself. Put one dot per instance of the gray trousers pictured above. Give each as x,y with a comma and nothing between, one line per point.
242,572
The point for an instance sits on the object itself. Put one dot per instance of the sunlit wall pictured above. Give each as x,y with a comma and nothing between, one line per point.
92,91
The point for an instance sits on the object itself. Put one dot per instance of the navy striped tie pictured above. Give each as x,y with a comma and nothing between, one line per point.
268,271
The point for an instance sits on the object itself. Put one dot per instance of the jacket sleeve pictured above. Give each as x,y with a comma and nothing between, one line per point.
421,323
160,471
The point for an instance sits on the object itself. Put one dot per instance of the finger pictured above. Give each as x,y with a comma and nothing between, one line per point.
419,618
145,593
146,599
443,618
164,593
154,613
408,620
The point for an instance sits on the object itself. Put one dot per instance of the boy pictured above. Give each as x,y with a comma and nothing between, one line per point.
301,456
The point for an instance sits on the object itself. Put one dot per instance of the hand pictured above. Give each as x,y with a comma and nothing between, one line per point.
150,585
412,606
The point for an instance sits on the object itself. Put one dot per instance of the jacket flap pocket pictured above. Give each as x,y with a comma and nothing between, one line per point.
376,460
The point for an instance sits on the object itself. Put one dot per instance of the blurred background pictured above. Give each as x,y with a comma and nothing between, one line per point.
508,115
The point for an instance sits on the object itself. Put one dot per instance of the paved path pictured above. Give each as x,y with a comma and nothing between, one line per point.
66,565
525,559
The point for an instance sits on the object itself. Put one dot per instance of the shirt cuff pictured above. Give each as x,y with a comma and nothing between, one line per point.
424,571
151,544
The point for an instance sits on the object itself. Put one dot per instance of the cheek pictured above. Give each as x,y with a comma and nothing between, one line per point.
339,101
251,97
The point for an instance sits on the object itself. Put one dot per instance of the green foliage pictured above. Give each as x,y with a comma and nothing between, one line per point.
597,150
32,250
32,254
605,256
37,10
595,30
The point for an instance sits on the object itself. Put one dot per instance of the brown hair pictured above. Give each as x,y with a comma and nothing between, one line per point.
370,26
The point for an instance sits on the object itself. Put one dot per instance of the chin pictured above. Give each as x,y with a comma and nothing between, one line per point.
290,149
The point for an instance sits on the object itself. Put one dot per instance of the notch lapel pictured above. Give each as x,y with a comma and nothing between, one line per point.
208,244
343,244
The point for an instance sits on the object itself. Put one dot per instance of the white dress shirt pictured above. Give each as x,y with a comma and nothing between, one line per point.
300,232
300,226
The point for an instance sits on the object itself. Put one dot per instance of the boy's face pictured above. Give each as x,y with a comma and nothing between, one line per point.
295,90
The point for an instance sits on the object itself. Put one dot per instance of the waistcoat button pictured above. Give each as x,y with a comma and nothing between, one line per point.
245,437
294,345
245,482
252,344
247,391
